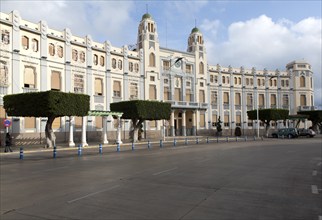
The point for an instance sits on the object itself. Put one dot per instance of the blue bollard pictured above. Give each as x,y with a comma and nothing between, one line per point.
118,147
132,146
161,143
197,141
207,140
174,142
186,141
21,153
54,152
100,149
79,150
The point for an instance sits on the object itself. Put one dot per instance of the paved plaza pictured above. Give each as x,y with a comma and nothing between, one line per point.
262,179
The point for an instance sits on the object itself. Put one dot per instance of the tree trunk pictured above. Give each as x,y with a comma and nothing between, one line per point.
136,126
50,136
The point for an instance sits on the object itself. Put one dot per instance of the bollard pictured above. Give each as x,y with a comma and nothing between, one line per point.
118,147
161,143
133,146
149,145
207,140
174,142
79,150
100,149
54,152
197,141
227,139
186,141
21,153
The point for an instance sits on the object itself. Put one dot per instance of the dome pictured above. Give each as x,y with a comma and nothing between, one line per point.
195,29
147,15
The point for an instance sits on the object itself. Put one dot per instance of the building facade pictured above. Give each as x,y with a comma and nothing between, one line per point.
36,58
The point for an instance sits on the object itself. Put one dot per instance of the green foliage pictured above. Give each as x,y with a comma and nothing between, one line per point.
45,104
314,116
143,109
268,114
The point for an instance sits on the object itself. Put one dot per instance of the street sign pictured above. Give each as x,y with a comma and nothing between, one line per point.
6,122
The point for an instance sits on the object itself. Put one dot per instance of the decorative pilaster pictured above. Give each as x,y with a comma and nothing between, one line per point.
71,131
84,123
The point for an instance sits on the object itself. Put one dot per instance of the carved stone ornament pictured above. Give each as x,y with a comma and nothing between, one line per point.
68,36
108,47
89,42
43,29
16,20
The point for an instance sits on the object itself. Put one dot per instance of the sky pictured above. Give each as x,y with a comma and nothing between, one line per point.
260,34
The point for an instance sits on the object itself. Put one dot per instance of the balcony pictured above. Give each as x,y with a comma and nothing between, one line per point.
98,99
27,89
307,108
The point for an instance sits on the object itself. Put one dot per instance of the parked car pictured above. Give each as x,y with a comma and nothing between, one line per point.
307,132
286,132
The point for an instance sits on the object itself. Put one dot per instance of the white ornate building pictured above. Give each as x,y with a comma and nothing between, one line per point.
36,58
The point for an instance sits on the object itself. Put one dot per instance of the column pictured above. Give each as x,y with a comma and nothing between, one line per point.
104,135
184,133
194,123
118,131
172,131
71,131
84,143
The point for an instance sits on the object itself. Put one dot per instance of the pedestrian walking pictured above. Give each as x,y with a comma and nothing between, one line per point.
8,143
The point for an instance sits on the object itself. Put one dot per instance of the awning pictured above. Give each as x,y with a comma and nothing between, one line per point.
104,113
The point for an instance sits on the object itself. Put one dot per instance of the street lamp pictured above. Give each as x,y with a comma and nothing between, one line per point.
257,111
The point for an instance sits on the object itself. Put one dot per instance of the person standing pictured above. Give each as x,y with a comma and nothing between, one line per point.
8,143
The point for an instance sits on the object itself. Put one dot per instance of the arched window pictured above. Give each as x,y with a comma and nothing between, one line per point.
201,68
136,67
82,56
114,63
102,60
25,42
60,51
74,55
152,60
119,64
51,49
34,45
131,67
95,59
302,81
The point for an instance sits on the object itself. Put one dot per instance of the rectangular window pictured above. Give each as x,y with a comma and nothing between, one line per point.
237,99
166,93
226,120
188,95
133,91
201,96
285,100
177,94
188,68
214,97
226,98
98,86
98,122
78,122
30,122
152,78
273,100
55,80
238,120
152,124
202,120
166,65
249,99
152,92
56,123
117,89
261,100
303,100
78,83
29,79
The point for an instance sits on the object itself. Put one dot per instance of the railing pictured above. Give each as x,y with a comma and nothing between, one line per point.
3,90
26,90
98,99
307,108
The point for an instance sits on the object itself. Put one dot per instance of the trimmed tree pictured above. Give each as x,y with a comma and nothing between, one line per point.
315,117
140,110
268,115
50,104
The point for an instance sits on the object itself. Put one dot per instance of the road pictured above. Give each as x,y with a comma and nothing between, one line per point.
270,179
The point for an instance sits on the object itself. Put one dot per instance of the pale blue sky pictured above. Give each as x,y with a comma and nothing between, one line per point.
261,34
